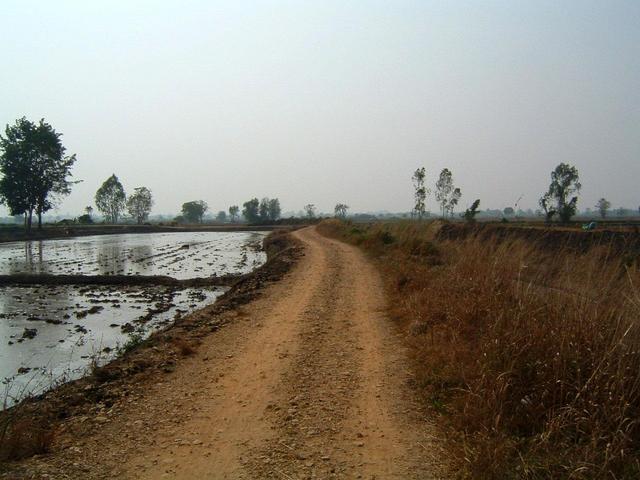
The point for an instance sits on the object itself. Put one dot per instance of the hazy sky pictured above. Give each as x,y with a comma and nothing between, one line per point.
331,101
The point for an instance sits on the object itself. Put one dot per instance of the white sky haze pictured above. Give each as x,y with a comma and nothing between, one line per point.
331,101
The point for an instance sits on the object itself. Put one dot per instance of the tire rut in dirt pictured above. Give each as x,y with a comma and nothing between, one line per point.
317,391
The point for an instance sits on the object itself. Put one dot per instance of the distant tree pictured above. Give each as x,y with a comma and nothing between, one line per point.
620,212
88,210
111,199
340,210
222,216
470,214
508,212
250,210
446,194
34,169
263,210
139,204
603,206
310,210
85,219
456,195
234,213
274,209
565,182
194,211
546,203
420,192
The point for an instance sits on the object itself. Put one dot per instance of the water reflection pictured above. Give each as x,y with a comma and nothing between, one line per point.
180,255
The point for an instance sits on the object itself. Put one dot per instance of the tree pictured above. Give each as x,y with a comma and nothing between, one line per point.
274,209
603,206
446,194
194,211
508,211
470,214
88,210
564,183
139,204
340,210
420,192
110,199
310,210
222,216
545,203
34,169
234,212
263,210
250,210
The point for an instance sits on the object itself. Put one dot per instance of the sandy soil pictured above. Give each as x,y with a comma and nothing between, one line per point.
309,381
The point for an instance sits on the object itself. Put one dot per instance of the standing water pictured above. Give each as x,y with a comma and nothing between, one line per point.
53,333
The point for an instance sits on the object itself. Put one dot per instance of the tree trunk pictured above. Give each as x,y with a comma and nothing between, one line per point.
39,219
29,219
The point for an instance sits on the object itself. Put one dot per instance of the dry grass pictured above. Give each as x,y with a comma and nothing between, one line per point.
184,347
23,436
531,355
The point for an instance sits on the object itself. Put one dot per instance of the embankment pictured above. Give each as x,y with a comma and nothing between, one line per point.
28,428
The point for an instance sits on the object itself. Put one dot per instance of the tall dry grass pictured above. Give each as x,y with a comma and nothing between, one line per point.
531,354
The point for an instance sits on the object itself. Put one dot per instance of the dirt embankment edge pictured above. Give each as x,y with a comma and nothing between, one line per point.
30,426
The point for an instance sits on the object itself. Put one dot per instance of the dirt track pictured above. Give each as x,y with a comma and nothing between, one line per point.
310,381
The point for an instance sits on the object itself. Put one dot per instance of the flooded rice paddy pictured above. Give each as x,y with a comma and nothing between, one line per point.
53,333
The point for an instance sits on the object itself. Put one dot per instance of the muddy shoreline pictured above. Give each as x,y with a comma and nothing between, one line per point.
163,280
38,424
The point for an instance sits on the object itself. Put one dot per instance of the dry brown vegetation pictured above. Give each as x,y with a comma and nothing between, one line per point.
530,352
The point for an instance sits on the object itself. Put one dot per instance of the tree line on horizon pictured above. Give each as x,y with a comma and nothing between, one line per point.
36,174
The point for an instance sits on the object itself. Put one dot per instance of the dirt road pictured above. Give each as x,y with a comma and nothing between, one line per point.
310,381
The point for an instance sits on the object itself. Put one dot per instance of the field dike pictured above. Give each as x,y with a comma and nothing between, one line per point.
525,342
29,428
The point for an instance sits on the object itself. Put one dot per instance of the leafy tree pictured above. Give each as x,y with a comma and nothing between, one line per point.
222,216
310,210
110,199
194,211
508,211
545,203
274,209
340,210
603,206
250,210
446,194
139,204
565,182
234,213
420,192
34,169
470,214
263,210
88,210
85,219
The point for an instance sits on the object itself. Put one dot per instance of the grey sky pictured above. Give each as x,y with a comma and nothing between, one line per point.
331,101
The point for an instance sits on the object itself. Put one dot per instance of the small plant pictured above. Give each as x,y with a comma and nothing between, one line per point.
135,339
